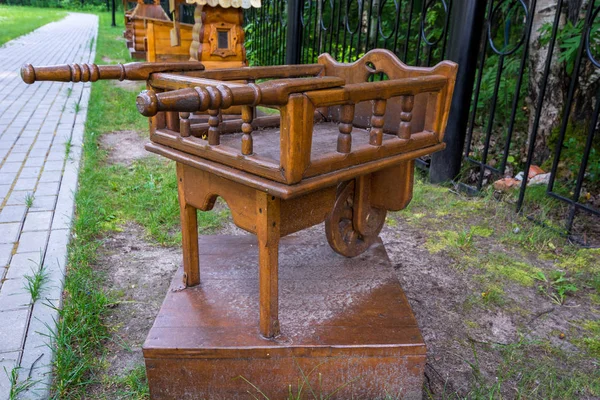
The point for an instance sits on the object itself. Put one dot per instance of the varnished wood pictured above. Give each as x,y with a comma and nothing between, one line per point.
185,124
377,122
406,103
158,39
189,233
214,133
247,145
283,190
343,152
93,72
268,223
344,142
347,318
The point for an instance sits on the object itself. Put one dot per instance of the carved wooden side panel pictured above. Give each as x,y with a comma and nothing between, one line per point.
380,61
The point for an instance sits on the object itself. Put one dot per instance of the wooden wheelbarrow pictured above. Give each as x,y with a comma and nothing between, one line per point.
340,149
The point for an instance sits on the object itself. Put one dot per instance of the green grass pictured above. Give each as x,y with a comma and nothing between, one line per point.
35,281
109,196
539,371
17,21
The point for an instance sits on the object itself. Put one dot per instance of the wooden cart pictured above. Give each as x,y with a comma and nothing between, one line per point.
340,150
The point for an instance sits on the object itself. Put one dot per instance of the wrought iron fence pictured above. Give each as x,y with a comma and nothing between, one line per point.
416,30
516,107
522,114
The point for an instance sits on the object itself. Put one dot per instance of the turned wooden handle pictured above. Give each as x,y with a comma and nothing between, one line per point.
93,72
149,103
223,95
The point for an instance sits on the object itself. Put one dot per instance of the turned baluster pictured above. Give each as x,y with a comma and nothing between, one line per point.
406,104
214,131
184,124
247,145
344,143
377,122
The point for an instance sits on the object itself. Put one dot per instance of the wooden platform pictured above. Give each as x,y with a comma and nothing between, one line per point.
345,324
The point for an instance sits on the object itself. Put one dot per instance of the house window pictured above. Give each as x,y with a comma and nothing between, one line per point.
223,39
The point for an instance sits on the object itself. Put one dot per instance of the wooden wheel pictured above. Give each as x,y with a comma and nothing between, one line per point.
342,234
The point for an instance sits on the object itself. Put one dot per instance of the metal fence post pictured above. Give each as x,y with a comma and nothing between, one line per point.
468,17
294,32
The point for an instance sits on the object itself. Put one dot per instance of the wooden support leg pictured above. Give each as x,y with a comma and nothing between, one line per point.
267,231
189,234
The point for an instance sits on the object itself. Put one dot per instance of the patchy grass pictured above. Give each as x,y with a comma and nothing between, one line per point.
133,385
108,196
17,20
541,372
591,339
509,270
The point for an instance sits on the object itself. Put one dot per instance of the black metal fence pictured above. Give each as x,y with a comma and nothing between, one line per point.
416,30
527,91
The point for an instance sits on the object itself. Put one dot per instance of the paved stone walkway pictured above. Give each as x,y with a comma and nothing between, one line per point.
41,132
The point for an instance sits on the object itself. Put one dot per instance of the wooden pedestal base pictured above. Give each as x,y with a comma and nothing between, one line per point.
346,326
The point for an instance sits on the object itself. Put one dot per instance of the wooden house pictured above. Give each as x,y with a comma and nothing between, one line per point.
218,33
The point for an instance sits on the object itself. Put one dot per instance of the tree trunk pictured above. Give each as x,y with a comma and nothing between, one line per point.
558,79
556,88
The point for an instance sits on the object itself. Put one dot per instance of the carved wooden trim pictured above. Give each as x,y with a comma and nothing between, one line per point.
214,39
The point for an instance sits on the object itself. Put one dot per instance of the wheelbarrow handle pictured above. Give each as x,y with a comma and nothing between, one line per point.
92,72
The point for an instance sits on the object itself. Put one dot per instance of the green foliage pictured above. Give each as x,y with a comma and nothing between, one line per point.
556,286
591,341
134,384
569,39
82,5
29,198
35,281
347,34
17,386
16,21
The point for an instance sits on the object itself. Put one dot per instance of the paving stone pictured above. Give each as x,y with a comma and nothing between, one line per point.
56,256
37,353
7,178
16,157
12,214
8,361
38,221
57,156
4,189
47,189
12,329
23,148
41,203
32,241
30,172
25,184
18,198
11,167
9,232
34,161
51,176
5,254
33,129
23,264
13,295
54,166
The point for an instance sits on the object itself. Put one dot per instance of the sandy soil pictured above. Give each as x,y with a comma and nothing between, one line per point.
124,147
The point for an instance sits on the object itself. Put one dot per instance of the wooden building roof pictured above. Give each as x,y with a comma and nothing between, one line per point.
227,3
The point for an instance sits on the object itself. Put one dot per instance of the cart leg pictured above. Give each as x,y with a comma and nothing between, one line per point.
189,234
267,232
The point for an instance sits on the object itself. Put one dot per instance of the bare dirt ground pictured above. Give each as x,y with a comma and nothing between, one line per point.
467,340
124,147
